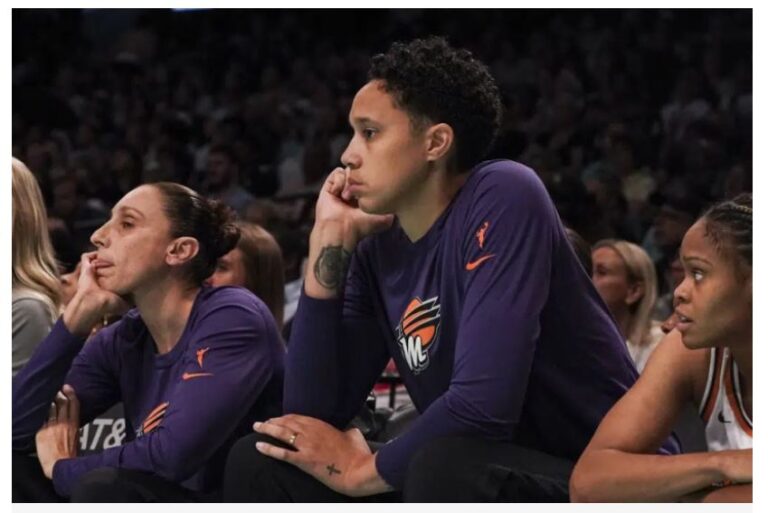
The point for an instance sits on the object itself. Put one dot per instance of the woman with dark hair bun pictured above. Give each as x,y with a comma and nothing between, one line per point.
194,366
706,359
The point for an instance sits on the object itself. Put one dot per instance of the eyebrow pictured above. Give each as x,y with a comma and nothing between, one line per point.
361,121
696,258
129,211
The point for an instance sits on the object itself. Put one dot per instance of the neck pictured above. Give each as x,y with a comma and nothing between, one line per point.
421,209
742,353
165,309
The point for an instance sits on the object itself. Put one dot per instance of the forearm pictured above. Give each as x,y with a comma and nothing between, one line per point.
609,475
330,248
37,384
335,352
733,493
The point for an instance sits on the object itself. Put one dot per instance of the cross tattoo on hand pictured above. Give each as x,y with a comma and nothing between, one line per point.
332,469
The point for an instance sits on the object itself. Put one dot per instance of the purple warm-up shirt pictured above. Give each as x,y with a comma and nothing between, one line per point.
183,409
495,328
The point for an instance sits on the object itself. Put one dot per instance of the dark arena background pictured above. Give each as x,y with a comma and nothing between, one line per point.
635,120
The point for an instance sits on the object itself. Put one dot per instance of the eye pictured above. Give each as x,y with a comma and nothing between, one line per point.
368,133
697,274
126,225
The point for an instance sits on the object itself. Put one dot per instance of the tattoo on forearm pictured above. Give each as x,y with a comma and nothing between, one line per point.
332,469
331,267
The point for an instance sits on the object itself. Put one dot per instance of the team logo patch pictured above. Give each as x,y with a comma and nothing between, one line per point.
153,420
480,235
417,332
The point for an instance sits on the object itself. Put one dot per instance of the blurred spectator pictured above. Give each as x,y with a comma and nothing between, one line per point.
118,97
626,280
81,215
222,179
582,250
256,263
678,209
35,294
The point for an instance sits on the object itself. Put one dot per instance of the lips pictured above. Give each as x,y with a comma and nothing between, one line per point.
683,321
100,264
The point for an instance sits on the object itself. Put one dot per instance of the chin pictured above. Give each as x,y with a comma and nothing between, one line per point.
371,207
691,341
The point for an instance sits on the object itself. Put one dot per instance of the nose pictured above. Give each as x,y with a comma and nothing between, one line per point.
681,294
351,157
99,238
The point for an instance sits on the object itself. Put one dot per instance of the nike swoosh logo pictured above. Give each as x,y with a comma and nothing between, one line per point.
189,375
471,266
721,418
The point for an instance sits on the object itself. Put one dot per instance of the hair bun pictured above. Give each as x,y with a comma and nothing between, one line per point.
224,231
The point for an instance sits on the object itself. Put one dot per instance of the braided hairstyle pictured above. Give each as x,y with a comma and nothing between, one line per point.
728,225
211,222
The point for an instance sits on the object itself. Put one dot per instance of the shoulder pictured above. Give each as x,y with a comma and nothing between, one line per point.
32,307
508,186
228,307
505,177
214,298
672,362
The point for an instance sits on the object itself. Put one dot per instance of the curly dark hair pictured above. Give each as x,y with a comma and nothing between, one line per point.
434,82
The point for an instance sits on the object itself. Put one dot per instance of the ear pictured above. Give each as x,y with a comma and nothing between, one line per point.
635,293
181,250
439,141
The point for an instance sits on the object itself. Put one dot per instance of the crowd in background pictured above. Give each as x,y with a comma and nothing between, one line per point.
634,119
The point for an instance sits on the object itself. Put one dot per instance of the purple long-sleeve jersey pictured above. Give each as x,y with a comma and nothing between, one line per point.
183,409
495,328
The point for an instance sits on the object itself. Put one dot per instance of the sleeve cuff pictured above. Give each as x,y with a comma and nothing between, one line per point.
59,476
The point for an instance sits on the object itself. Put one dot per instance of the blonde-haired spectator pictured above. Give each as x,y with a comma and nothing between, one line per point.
35,294
625,277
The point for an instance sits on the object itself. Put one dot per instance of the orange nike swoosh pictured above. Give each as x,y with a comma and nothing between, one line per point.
190,375
471,266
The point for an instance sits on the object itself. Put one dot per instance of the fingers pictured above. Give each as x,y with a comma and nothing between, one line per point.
53,413
275,430
277,452
336,181
345,194
62,407
86,267
73,404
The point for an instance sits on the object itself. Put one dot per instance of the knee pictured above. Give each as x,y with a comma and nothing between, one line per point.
246,468
98,485
431,471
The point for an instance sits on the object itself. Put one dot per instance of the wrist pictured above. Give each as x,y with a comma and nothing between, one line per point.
334,232
717,465
48,468
364,479
80,315
330,250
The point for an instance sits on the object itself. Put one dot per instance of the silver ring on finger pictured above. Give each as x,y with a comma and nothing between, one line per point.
292,439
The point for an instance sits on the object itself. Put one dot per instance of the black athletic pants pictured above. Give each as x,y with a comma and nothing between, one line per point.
100,485
457,469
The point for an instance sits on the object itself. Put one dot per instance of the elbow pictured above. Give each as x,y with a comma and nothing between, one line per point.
175,471
578,490
582,487
176,465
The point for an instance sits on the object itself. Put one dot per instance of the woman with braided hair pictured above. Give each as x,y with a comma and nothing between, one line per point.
713,313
